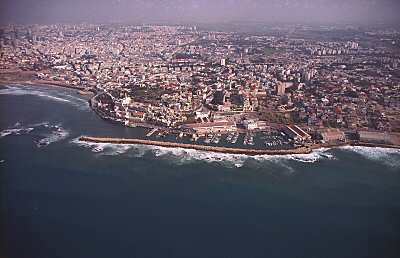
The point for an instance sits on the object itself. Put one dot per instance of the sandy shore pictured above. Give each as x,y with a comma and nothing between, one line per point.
39,83
43,83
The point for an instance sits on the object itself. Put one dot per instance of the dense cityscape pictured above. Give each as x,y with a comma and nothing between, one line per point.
290,85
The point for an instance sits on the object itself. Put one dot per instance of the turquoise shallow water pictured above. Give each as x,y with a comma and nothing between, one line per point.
73,199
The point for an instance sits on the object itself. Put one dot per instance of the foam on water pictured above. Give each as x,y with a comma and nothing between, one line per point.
387,156
15,131
48,133
54,136
182,156
103,148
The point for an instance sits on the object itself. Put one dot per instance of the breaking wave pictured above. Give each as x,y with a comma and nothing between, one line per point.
15,131
53,136
180,156
183,156
52,94
387,156
46,132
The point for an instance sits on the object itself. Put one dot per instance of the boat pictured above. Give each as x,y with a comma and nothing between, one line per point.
230,136
216,138
235,138
250,141
209,138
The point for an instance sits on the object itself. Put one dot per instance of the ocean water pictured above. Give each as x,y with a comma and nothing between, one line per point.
73,199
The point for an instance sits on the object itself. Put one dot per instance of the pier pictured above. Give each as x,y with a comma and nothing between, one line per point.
251,152
151,132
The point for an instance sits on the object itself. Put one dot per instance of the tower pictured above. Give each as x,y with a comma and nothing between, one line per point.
223,62
280,88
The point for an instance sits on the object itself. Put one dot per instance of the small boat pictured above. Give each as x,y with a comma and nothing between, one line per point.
235,138
209,138
230,136
216,140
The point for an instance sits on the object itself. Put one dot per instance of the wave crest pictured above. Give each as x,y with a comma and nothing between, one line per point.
182,156
387,156
48,133
53,94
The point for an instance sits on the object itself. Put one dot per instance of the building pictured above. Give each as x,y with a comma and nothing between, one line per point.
296,133
223,62
203,115
374,137
250,124
211,127
134,115
332,135
280,88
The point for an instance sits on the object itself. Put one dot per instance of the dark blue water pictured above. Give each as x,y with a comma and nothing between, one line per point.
67,200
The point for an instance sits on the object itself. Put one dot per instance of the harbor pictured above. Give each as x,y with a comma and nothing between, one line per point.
219,149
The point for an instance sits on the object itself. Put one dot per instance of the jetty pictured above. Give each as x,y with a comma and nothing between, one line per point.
251,152
151,132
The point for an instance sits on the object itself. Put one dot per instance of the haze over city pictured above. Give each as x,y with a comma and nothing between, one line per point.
202,11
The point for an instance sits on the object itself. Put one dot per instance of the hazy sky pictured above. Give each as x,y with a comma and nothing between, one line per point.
174,11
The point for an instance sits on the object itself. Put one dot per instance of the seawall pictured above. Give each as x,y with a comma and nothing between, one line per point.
252,152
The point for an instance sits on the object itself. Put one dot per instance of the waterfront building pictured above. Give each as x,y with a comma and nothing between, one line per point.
332,135
296,133
211,127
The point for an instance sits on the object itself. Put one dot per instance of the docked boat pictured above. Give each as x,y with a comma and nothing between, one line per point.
216,139
235,138
209,138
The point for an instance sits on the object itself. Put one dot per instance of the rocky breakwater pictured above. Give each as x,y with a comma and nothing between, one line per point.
253,152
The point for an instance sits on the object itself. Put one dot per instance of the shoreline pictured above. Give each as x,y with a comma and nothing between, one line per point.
218,149
44,83
38,83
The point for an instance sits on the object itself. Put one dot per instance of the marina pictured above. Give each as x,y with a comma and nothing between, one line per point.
219,149
272,140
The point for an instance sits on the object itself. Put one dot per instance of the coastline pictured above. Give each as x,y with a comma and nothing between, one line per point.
25,78
252,152
42,83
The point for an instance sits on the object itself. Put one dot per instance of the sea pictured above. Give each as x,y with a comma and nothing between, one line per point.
61,197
